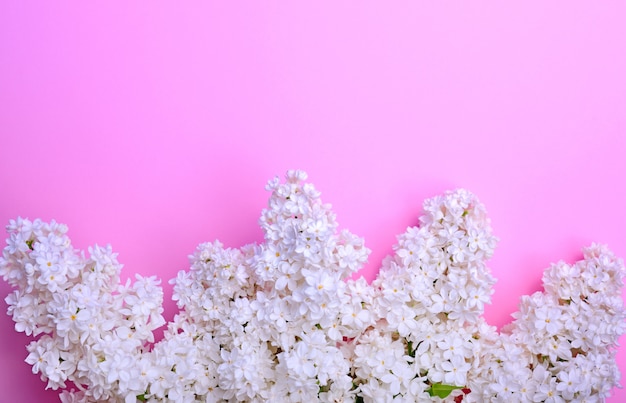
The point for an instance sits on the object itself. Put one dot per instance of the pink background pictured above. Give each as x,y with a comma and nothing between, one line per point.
155,127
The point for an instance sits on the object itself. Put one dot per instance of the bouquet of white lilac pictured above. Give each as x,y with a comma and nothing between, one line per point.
284,322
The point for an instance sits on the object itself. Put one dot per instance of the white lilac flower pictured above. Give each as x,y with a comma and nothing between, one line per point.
283,320
547,319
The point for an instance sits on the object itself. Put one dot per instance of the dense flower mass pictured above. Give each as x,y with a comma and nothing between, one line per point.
285,320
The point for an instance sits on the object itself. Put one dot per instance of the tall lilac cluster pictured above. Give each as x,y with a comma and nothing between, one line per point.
275,316
428,300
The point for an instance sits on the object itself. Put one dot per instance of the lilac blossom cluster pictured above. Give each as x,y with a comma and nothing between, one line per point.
286,321
89,328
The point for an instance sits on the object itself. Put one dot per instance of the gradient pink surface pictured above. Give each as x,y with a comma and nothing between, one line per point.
155,127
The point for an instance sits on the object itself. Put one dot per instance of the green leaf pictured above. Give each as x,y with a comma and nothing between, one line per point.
441,390
409,349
